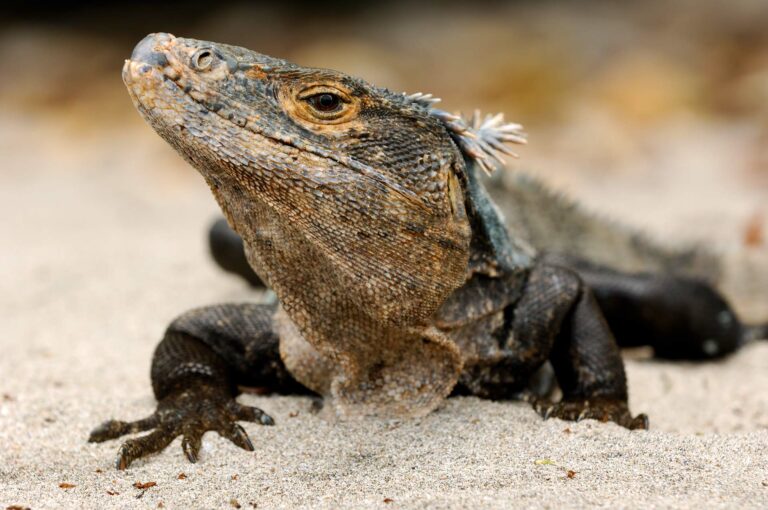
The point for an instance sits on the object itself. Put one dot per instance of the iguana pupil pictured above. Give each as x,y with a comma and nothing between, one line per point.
325,102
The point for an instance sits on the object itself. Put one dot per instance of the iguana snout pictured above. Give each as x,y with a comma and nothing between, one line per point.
150,50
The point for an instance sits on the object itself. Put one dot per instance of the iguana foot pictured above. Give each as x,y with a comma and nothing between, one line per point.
188,412
601,409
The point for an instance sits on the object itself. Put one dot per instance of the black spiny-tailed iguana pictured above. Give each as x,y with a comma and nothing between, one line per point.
398,283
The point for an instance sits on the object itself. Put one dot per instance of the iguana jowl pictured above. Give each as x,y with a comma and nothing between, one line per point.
397,281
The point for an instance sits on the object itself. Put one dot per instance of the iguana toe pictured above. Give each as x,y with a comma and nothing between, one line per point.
133,449
112,429
191,444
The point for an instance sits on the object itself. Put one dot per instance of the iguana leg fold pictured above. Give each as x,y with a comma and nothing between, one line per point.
204,355
558,315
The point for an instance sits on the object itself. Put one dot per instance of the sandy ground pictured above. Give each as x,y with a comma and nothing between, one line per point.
104,245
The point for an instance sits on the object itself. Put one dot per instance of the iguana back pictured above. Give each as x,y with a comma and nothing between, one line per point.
554,224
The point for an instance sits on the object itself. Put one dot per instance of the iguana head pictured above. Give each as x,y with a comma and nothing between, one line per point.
337,119
363,172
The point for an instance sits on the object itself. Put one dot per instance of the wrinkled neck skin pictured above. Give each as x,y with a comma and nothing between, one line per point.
359,265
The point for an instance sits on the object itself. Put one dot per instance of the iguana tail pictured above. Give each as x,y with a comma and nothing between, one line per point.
552,223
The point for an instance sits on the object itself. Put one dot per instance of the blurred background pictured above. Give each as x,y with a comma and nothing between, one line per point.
653,112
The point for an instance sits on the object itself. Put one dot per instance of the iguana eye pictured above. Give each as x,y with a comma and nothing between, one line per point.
325,102
202,60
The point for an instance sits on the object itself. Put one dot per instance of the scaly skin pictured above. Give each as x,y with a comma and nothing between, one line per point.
396,279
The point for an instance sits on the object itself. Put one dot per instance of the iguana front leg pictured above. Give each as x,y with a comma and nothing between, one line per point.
205,354
558,317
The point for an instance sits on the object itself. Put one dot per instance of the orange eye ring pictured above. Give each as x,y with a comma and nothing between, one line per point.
325,104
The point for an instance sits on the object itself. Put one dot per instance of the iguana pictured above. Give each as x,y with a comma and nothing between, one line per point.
397,281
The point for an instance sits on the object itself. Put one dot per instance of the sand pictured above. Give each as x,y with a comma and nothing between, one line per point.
102,248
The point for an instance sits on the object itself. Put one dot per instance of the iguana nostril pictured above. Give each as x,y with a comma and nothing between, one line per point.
146,51
202,59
